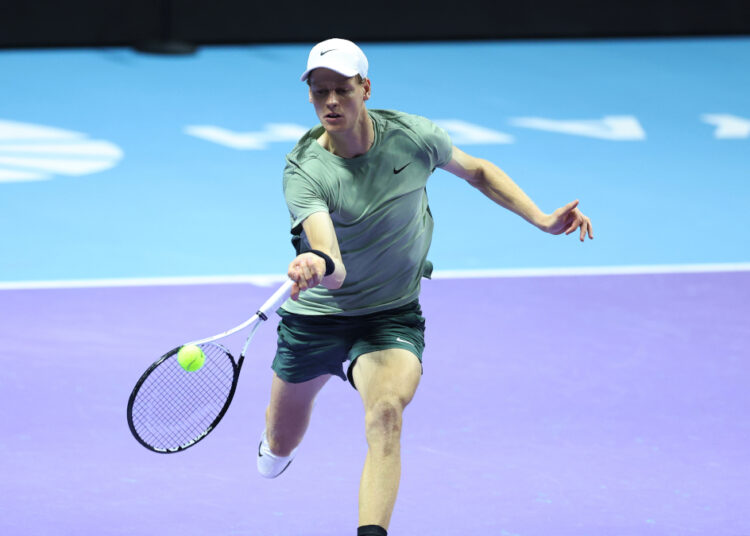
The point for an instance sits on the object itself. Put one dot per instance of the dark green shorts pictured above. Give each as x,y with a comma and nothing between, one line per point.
311,346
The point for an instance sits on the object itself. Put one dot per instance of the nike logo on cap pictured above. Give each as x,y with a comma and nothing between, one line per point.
324,52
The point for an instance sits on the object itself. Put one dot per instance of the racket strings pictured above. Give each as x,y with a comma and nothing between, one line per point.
174,407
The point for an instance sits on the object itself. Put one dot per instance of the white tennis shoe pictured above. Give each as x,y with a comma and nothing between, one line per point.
269,464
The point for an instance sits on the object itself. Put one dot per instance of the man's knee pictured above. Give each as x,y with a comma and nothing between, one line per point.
383,419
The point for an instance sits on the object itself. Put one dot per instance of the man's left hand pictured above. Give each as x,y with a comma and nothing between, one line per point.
567,219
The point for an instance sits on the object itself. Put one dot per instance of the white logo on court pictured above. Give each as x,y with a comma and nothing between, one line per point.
31,152
399,339
464,133
248,141
728,126
611,127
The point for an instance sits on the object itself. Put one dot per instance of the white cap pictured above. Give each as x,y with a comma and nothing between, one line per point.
339,55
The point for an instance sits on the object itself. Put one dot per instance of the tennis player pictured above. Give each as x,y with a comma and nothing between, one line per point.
355,188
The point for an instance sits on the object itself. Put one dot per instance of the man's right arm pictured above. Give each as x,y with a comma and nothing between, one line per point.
307,270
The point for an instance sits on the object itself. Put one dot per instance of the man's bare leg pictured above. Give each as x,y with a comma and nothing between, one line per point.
287,418
386,381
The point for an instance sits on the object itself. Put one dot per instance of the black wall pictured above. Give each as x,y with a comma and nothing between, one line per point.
29,23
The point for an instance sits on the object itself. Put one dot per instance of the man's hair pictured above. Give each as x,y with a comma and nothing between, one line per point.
360,79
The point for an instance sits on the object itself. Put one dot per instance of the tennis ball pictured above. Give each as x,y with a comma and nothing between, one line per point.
191,358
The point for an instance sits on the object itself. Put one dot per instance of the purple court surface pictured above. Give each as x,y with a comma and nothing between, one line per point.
612,405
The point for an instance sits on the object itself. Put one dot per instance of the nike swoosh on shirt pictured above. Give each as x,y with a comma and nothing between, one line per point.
399,170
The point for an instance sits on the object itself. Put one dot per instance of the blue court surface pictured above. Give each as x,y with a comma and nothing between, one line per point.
573,389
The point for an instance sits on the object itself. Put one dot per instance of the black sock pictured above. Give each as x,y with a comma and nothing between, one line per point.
371,530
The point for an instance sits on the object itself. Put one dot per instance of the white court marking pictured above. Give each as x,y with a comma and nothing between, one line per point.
266,280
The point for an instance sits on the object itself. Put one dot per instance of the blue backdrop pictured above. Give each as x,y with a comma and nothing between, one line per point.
664,179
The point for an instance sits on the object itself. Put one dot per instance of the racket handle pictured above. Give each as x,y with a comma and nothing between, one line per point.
262,313
281,294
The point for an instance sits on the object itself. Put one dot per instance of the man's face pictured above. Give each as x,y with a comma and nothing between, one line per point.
339,101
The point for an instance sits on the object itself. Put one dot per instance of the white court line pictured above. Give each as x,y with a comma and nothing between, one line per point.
595,270
270,279
257,280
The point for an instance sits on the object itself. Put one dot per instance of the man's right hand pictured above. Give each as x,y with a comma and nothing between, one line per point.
307,271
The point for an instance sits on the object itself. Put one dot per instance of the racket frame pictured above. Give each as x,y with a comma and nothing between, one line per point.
255,321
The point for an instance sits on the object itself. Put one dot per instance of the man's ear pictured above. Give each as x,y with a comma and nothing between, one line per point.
367,87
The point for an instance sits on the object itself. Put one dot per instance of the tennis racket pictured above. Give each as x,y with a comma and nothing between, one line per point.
171,409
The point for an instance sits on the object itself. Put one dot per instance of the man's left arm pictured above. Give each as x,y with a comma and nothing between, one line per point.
498,186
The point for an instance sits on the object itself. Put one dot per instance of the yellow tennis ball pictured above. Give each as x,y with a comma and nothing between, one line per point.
191,358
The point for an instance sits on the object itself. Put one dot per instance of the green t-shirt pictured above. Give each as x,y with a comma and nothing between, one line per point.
378,205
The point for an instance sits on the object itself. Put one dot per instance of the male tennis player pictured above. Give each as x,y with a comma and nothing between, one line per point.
355,188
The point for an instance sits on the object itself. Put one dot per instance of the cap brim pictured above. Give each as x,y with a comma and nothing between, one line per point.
342,72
